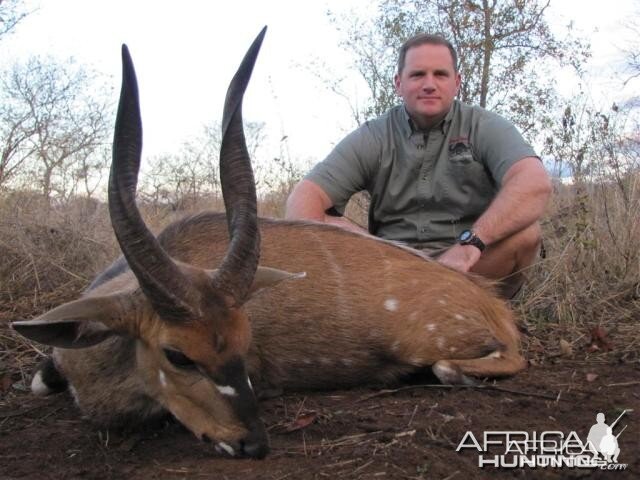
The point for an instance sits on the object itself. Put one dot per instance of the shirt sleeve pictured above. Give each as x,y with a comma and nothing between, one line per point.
500,145
349,168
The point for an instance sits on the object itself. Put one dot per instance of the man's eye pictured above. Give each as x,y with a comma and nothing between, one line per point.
178,359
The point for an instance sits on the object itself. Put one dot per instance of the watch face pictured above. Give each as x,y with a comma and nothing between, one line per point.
465,235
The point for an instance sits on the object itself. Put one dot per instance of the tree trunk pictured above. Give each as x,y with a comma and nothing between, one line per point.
488,50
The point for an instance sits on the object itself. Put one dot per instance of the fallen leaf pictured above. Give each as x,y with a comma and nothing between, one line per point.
302,421
599,340
565,348
5,383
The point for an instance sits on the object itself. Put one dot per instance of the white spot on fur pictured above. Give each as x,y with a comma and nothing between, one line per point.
457,316
452,349
395,346
162,378
38,387
226,447
430,326
496,354
442,302
226,390
440,342
391,304
416,361
249,383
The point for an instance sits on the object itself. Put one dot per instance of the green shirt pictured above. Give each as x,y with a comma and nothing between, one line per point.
425,186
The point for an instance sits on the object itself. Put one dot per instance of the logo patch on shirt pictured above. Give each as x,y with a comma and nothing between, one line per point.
460,150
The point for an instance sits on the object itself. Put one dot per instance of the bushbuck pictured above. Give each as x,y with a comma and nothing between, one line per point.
188,321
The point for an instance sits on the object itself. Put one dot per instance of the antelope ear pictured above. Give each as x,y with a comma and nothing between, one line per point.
78,324
266,277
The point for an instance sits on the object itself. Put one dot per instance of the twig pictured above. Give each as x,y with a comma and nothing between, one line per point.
365,465
412,415
341,463
625,384
452,475
472,387
21,412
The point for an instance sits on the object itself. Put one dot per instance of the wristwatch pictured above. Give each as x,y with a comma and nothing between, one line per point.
467,237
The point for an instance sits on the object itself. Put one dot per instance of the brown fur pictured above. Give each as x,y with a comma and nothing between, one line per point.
306,331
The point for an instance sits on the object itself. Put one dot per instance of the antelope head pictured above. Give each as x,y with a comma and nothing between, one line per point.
192,334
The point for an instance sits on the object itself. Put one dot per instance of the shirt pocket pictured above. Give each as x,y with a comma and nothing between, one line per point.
469,185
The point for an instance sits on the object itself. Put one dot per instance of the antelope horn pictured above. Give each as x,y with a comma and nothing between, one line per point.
239,265
160,279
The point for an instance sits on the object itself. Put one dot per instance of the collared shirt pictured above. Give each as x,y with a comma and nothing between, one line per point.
425,186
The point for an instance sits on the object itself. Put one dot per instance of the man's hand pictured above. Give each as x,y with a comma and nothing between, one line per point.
460,257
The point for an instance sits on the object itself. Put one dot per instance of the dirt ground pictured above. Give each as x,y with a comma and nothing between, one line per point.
408,431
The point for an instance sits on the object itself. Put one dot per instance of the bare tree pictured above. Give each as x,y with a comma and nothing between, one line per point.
180,180
12,12
502,45
53,117
632,52
15,132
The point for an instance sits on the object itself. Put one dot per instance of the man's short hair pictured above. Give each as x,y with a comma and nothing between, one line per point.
426,39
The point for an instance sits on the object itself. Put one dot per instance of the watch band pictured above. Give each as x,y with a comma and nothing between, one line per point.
468,237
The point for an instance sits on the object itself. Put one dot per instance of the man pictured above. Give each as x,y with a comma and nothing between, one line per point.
453,179
596,433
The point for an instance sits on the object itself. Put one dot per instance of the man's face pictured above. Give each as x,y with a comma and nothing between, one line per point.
428,83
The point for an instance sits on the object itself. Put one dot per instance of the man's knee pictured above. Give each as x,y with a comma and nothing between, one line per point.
527,245
531,237
511,254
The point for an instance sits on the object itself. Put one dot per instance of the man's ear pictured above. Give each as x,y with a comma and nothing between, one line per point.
396,83
268,277
79,324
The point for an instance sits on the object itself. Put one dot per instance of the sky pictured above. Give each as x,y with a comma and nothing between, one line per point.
185,53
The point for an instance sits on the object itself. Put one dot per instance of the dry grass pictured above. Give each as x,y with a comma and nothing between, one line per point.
590,277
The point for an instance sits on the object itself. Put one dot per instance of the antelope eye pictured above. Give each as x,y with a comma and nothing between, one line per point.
178,359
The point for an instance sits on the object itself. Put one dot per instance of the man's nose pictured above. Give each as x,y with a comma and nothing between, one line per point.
427,83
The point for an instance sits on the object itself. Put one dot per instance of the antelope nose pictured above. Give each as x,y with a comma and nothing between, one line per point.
255,445
257,450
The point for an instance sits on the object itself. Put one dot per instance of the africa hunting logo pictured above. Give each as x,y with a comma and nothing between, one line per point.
551,449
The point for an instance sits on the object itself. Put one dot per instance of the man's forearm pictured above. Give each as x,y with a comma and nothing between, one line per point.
520,203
